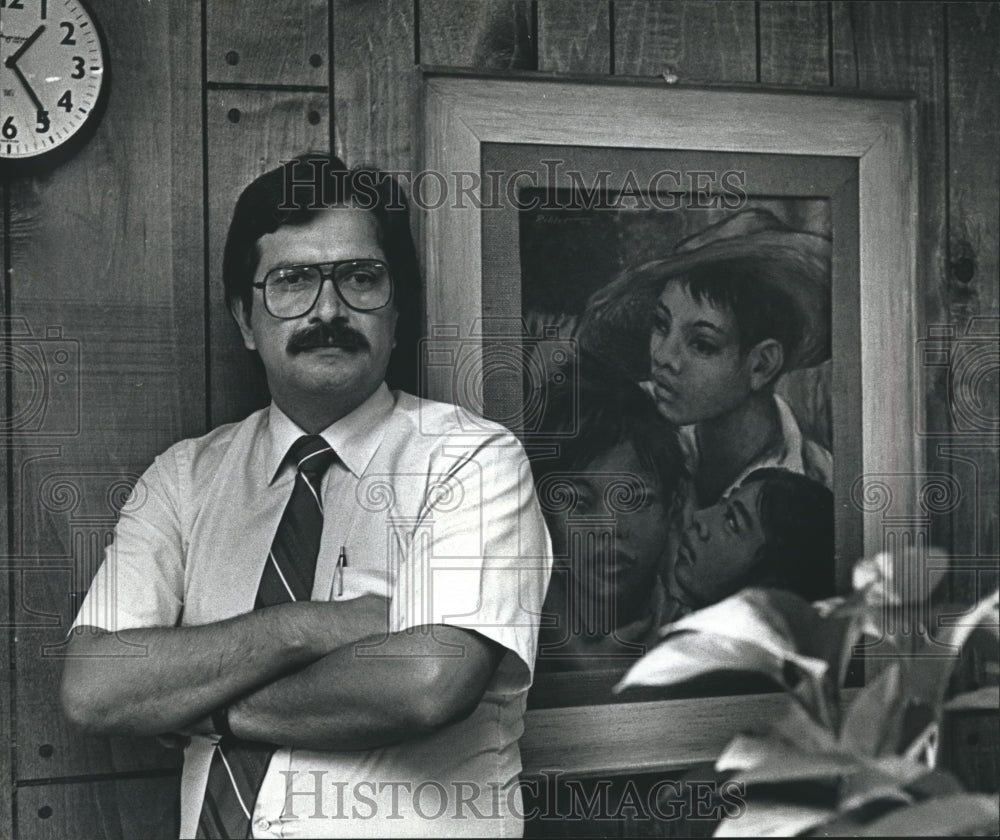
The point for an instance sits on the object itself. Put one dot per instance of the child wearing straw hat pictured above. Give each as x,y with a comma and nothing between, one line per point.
734,307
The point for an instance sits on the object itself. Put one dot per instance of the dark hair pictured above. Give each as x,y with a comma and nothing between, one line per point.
295,193
742,287
586,418
796,514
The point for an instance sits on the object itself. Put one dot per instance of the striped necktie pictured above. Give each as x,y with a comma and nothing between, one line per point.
238,767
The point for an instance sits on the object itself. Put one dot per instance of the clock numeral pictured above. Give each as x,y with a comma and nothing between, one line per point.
11,4
66,101
78,73
9,130
43,122
68,38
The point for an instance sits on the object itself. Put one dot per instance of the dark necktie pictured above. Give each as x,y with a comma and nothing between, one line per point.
238,767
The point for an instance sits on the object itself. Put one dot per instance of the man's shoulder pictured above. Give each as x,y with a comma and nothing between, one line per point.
440,420
207,451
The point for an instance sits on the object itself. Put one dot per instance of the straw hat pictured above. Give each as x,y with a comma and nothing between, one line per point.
618,317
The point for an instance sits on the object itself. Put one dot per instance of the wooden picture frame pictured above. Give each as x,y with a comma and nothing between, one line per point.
464,114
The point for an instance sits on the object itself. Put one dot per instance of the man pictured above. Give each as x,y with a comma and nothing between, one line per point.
774,530
733,308
387,522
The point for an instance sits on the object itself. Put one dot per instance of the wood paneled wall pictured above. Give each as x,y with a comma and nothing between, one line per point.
116,342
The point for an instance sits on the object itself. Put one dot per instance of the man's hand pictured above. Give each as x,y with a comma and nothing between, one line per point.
187,672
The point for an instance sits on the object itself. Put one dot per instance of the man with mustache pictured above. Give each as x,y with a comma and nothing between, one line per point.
367,674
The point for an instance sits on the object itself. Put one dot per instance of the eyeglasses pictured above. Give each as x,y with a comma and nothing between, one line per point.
290,291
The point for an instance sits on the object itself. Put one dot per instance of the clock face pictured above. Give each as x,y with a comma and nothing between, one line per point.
52,75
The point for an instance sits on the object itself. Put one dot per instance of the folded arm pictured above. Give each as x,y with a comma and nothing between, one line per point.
187,672
404,685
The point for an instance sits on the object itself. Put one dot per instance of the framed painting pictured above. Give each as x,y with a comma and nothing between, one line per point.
544,190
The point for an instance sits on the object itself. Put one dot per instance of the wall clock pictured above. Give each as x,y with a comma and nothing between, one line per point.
53,81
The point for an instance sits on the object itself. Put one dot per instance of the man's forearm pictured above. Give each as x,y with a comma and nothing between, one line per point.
187,672
352,698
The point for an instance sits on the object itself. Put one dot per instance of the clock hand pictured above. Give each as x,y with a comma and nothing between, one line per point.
11,60
27,87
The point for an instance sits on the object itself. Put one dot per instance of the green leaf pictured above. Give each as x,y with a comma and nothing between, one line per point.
959,814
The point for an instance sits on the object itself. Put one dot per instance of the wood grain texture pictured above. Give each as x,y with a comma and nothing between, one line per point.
268,43
6,573
889,46
124,809
794,43
249,132
702,42
646,737
886,46
92,282
574,36
971,450
973,285
470,33
375,83
186,171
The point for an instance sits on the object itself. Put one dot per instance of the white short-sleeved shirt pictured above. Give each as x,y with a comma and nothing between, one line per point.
433,507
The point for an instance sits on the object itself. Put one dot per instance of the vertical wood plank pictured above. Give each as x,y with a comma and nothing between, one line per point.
973,282
889,46
188,211
268,43
469,33
794,43
249,132
376,96
92,281
375,85
6,477
574,36
702,42
112,810
972,291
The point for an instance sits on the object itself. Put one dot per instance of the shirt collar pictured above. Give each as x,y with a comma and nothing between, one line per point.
355,438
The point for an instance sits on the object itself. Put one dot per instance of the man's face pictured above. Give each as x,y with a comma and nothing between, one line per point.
619,574
718,553
698,370
331,350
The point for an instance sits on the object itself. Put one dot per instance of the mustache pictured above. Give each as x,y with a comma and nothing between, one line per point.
332,334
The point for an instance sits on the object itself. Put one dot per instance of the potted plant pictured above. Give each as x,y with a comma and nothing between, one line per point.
840,761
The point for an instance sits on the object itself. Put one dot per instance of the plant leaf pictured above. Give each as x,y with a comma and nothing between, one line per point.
987,697
684,656
878,782
984,614
959,814
746,632
764,758
875,717
926,673
768,818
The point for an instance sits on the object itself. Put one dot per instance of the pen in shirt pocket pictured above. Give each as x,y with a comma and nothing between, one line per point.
341,565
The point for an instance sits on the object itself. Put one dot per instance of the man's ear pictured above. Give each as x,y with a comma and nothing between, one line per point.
241,315
766,360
